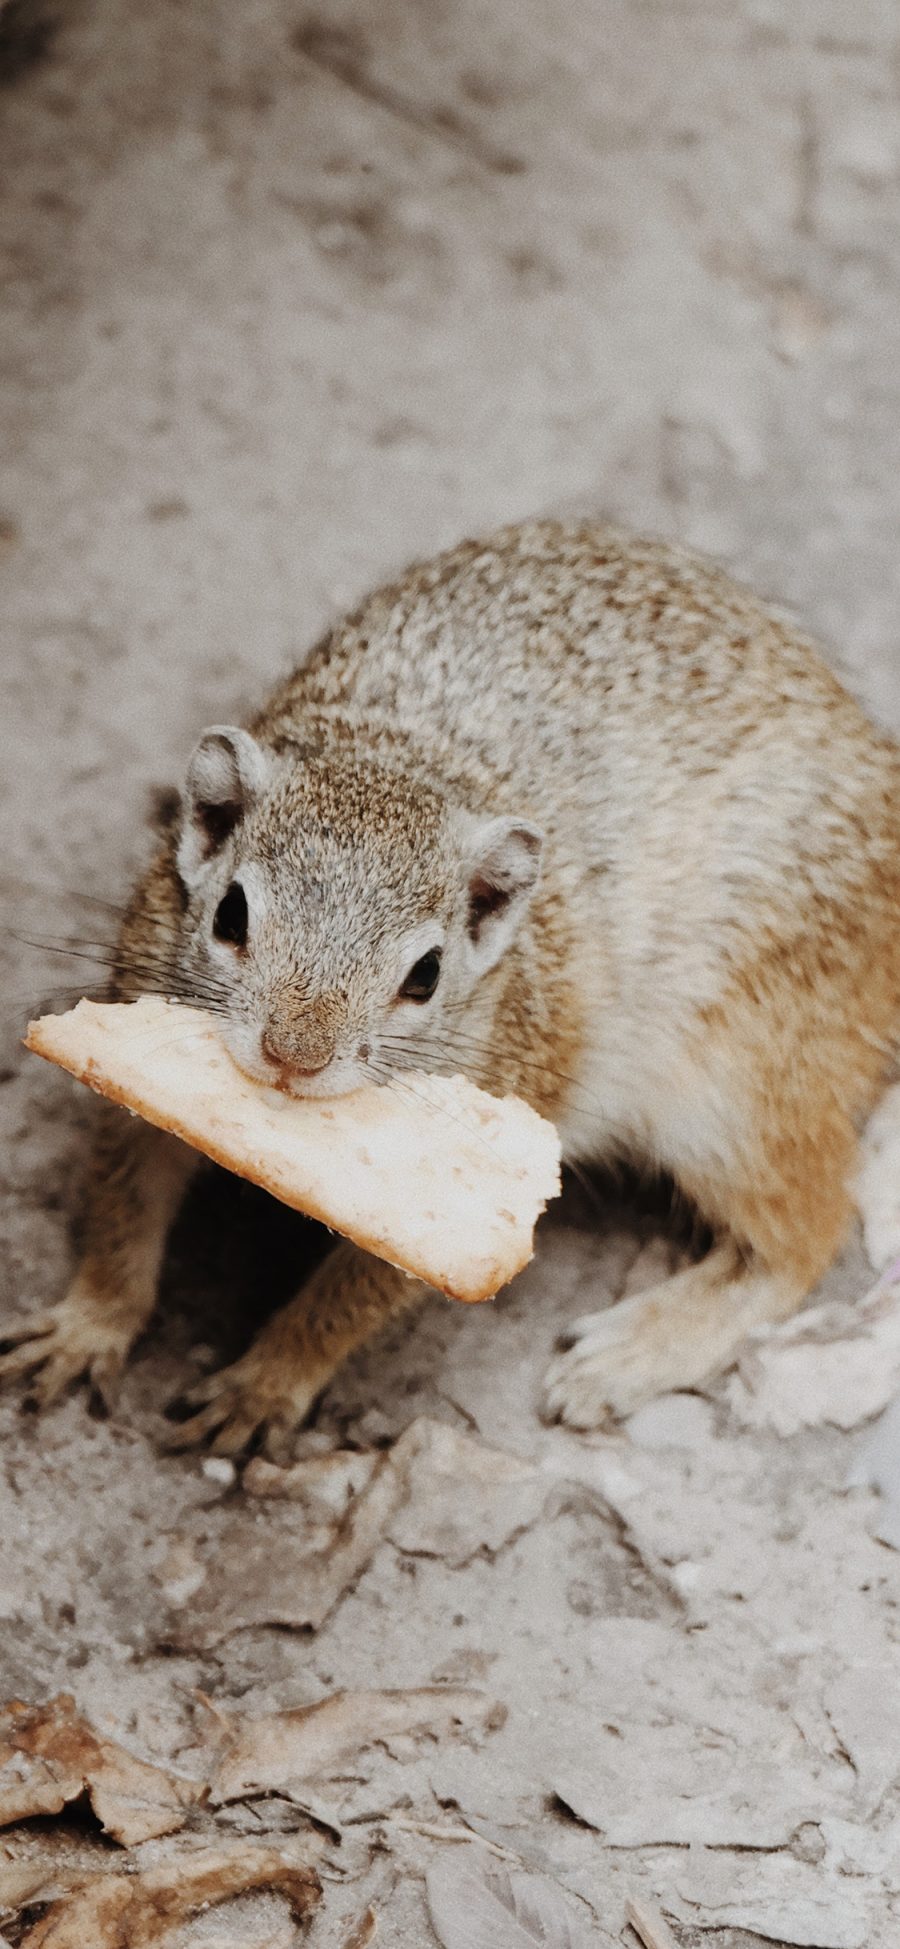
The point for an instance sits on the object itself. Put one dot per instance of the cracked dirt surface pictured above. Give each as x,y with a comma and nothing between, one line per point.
291,295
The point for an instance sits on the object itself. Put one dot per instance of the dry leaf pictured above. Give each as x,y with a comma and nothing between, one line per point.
251,1583
23,1881
708,1762
698,1792
476,1903
691,1743
50,1755
472,1497
270,1752
835,1363
464,1496
777,1896
113,1911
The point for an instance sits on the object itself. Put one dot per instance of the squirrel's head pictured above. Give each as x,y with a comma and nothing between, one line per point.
340,913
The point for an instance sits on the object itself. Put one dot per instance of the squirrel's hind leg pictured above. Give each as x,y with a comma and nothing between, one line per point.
677,1335
778,1229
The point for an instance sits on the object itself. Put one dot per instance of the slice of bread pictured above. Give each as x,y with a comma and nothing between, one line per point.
428,1172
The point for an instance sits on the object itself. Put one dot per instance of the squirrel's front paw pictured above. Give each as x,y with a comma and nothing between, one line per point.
70,1342
257,1396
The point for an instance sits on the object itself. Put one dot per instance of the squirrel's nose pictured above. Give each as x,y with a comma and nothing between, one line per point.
301,1035
281,1061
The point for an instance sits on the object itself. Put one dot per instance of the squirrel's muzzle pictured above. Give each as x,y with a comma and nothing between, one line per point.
302,1036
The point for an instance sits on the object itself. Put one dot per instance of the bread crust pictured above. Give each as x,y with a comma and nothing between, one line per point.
434,1176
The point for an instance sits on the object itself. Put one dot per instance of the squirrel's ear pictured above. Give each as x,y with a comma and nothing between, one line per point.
504,868
227,770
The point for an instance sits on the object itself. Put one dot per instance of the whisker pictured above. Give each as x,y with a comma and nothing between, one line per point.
467,1043
26,998
395,1080
203,988
16,883
168,1042
55,1000
175,981
392,1081
459,1047
176,985
170,991
459,1039
113,951
454,1052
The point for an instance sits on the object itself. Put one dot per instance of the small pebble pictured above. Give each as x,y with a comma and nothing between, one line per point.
217,1468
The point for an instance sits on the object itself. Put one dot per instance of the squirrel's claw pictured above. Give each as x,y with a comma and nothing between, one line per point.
242,1404
59,1348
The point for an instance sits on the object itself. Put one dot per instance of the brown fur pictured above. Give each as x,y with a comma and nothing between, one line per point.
706,976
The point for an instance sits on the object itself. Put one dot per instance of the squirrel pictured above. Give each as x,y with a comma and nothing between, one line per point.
578,817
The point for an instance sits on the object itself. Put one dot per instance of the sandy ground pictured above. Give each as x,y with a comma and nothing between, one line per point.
291,296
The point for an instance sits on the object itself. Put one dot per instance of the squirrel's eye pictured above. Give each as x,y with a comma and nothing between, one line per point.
422,979
230,919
